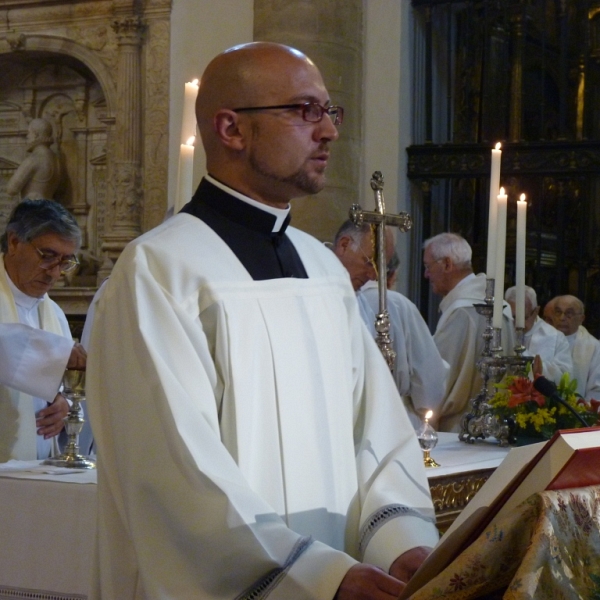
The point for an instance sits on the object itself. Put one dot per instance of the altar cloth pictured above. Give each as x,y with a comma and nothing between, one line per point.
547,548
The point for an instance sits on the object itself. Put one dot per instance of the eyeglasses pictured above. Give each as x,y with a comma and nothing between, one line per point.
569,313
312,112
50,260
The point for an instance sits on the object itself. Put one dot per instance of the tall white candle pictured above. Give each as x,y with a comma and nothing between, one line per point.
186,174
500,255
188,125
493,210
520,262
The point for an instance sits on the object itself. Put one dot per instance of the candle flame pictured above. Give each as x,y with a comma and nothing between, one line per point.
428,415
501,192
522,198
191,140
498,146
194,82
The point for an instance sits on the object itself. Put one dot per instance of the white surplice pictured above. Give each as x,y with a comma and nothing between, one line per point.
251,440
419,370
552,347
459,338
36,364
585,352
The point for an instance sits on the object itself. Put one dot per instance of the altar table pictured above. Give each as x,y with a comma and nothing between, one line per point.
48,522
47,532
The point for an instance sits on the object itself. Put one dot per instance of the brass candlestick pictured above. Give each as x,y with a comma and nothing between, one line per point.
73,390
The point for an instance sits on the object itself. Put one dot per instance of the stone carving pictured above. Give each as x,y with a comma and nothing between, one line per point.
38,175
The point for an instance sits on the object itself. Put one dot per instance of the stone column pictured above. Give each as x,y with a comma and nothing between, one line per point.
330,32
123,217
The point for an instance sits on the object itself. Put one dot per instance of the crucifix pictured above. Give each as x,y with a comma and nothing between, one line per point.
379,219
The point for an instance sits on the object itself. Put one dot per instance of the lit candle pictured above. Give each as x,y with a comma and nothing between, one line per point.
188,126
500,254
186,174
520,266
493,211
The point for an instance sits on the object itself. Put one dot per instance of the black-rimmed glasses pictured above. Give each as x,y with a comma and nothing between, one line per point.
50,260
312,112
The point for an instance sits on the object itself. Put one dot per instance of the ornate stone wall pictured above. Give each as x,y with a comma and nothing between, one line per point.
98,70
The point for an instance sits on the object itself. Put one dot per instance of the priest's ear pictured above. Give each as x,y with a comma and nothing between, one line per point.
228,130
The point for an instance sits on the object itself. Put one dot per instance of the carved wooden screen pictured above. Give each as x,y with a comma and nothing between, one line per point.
526,73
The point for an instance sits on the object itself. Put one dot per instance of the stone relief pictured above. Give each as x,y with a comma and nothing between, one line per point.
68,64
38,175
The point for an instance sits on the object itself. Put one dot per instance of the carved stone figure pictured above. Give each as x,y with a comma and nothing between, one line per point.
38,175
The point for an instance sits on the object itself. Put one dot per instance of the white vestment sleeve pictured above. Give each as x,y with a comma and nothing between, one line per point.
33,361
592,390
393,485
428,370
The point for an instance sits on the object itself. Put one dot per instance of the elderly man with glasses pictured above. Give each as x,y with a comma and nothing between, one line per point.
419,370
548,345
38,246
568,315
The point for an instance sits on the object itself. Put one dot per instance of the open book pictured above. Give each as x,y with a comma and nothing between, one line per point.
567,460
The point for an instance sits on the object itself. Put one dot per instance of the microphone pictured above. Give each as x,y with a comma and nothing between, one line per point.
548,388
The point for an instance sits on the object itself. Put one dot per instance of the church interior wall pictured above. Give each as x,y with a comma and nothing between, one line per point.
361,48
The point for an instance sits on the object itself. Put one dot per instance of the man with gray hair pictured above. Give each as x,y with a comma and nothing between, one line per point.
569,314
38,246
419,370
459,332
542,340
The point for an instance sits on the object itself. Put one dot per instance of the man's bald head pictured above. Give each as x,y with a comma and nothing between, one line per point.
246,75
268,151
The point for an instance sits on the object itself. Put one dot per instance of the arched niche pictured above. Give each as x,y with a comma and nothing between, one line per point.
66,92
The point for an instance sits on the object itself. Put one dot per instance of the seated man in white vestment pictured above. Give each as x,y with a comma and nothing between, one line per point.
419,370
39,244
569,315
459,331
251,442
542,340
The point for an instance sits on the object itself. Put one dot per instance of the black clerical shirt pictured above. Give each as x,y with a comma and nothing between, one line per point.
248,231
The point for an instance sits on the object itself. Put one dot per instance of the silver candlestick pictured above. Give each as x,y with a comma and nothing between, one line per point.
74,391
481,422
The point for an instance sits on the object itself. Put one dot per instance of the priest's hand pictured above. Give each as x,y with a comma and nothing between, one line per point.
537,367
366,582
405,566
49,420
78,358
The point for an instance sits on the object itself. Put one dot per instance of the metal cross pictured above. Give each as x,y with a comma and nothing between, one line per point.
379,219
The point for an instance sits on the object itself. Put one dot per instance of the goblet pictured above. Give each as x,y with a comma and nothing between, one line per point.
74,391
428,439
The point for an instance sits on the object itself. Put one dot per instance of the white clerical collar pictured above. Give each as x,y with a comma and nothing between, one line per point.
466,279
22,299
572,338
280,214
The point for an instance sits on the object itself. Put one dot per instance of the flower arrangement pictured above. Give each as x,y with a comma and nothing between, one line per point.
533,415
